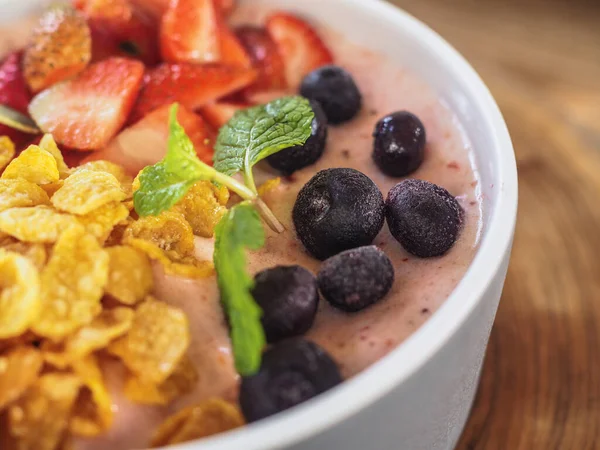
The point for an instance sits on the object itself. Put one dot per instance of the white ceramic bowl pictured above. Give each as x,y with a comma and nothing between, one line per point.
419,396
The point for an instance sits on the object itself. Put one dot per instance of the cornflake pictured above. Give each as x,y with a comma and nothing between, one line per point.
72,284
49,144
130,277
7,151
33,164
38,224
20,192
203,206
36,253
103,220
19,369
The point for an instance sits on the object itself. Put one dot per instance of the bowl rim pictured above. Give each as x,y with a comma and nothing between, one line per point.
299,423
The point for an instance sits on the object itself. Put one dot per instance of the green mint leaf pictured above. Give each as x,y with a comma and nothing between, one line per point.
255,133
238,230
165,183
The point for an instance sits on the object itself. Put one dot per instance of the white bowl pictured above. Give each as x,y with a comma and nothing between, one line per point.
419,396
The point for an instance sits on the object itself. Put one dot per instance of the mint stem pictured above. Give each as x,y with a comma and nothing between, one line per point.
268,216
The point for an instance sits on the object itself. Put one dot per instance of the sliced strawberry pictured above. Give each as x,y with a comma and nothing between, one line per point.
192,85
227,6
14,93
299,44
60,48
86,112
265,57
145,142
196,31
218,114
154,8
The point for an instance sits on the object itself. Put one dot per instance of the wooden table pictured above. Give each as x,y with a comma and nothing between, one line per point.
541,58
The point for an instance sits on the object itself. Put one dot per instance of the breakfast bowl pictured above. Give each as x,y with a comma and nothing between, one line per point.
418,396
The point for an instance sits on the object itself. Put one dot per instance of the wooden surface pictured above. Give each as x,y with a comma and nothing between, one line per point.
541,382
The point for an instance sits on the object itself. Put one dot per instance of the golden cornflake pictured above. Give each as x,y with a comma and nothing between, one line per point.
36,253
203,206
20,192
130,277
19,368
53,187
101,221
269,186
33,164
7,151
19,294
49,144
92,413
181,382
37,224
157,341
39,419
209,418
72,284
108,167
87,190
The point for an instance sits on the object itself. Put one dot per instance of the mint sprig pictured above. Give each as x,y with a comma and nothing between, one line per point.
256,133
238,230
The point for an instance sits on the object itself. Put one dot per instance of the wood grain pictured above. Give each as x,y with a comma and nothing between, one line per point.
541,383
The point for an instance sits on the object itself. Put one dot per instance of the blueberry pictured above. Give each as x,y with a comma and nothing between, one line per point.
335,90
425,218
289,298
399,144
356,279
292,372
295,158
338,209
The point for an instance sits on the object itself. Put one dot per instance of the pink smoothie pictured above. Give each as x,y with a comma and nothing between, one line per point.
358,340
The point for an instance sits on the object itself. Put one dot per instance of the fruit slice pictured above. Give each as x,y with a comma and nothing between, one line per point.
14,94
191,85
196,31
265,57
218,114
299,44
86,112
227,6
153,8
145,142
60,48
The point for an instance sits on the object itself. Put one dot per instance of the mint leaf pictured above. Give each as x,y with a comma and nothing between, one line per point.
238,230
255,133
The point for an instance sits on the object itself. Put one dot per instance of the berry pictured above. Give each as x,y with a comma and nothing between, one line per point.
14,94
289,298
423,217
335,90
292,372
295,158
356,279
338,209
399,145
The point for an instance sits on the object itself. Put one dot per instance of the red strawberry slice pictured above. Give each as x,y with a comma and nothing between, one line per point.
265,57
196,31
154,8
145,142
227,6
86,112
14,93
218,114
192,85
299,44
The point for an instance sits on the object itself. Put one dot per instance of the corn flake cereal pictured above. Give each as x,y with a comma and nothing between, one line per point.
53,187
49,144
102,221
87,190
20,192
269,186
19,368
39,419
92,413
7,151
130,277
33,164
108,167
209,418
36,253
203,206
19,294
72,284
157,341
37,224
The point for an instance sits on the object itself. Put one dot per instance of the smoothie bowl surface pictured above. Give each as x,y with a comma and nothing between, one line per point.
153,296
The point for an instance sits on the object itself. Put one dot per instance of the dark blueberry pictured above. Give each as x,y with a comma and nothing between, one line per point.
426,219
295,158
356,279
289,298
399,145
338,209
335,90
292,372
